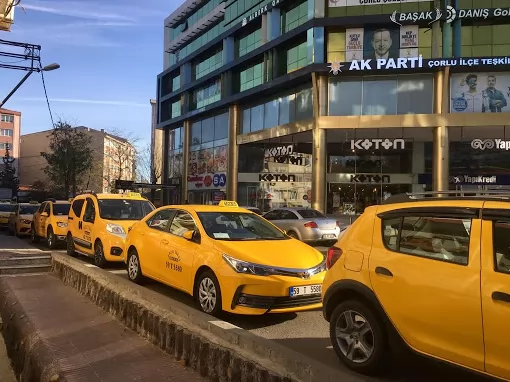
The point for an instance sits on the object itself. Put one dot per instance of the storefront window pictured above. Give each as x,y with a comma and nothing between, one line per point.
276,173
175,160
388,95
366,166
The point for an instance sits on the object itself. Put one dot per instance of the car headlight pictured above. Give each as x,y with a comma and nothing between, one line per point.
116,230
244,267
25,221
62,224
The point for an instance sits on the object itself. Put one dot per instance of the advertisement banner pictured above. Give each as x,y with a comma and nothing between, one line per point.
353,3
207,181
381,42
354,44
480,92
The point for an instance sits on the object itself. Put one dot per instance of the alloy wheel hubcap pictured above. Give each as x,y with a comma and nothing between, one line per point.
98,255
207,295
354,336
133,267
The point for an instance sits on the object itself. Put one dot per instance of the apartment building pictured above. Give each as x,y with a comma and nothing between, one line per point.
10,128
114,158
335,104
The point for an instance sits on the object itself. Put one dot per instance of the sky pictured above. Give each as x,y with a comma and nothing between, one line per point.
109,53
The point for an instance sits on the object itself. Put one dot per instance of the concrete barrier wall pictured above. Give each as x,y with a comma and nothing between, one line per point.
216,349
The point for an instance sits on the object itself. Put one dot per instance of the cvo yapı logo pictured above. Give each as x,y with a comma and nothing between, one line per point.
489,144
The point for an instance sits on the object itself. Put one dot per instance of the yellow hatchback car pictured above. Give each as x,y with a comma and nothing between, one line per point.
428,272
20,221
6,209
98,224
228,258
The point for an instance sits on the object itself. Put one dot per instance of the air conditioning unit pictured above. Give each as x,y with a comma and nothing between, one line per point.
7,14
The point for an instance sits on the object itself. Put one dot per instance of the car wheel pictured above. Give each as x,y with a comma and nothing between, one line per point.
70,245
293,235
33,236
358,337
51,239
208,294
134,269
99,259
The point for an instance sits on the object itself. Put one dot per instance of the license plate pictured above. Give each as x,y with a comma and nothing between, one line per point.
306,290
329,236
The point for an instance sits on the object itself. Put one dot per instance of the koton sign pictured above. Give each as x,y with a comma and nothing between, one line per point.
376,144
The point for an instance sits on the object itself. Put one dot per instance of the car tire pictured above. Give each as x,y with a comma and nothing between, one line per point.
293,235
70,246
51,239
99,259
362,345
134,270
33,236
208,294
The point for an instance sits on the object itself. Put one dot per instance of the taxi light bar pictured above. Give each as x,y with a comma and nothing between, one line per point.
134,194
228,203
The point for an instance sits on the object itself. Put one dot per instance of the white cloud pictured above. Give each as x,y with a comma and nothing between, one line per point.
71,10
86,101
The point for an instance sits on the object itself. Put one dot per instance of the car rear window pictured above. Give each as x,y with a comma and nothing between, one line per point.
310,214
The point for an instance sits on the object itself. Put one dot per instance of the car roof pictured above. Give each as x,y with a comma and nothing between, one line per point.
208,208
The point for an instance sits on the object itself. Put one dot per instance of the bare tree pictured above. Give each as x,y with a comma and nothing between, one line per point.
149,168
120,157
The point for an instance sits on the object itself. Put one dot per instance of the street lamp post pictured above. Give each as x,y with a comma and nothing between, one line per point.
47,68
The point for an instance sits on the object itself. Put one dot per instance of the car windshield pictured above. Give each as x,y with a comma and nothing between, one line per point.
124,209
7,207
237,226
28,210
61,209
310,214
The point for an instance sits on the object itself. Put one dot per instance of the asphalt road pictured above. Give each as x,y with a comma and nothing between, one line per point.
308,333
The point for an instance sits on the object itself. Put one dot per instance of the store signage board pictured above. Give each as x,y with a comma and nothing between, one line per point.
490,144
377,144
414,17
451,15
260,11
410,63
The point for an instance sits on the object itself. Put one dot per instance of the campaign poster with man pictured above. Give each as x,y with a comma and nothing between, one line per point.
479,92
383,42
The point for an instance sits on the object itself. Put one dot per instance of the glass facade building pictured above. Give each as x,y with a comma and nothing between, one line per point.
334,104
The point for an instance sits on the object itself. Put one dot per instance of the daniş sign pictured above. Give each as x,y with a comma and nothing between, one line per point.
376,144
480,13
415,63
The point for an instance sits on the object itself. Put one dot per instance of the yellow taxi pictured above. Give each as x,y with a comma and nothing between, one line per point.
433,274
98,224
228,258
6,209
50,222
20,221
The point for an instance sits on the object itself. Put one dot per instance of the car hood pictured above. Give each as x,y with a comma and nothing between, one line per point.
27,217
278,253
123,223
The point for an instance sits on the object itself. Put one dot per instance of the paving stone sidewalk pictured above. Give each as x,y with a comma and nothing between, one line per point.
13,246
89,344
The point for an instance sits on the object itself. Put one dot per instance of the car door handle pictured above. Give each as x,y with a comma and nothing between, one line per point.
383,271
164,242
500,296
70,218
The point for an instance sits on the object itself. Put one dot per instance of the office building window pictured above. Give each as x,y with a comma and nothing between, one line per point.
297,57
175,156
208,64
176,109
3,146
176,83
8,118
251,77
296,106
236,10
249,42
200,41
6,132
381,95
207,95
294,17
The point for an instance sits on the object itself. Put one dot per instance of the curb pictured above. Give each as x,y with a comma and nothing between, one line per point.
31,358
215,349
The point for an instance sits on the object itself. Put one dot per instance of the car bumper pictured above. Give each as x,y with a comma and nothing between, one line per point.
4,222
257,295
60,233
315,234
24,229
113,247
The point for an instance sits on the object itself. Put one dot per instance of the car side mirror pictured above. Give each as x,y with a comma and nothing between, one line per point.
188,235
45,214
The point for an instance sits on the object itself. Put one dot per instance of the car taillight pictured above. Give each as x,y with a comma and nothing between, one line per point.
311,225
334,254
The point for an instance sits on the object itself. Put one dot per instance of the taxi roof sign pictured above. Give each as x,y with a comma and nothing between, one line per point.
134,194
228,203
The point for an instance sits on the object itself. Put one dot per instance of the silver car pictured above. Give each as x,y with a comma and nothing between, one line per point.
305,224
